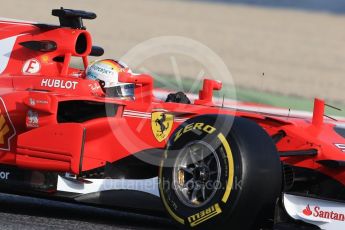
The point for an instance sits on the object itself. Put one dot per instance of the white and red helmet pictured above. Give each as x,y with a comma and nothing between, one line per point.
106,72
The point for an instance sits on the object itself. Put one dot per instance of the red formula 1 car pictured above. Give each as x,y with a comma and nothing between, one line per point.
207,166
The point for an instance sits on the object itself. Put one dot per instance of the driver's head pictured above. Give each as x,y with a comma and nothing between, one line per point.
106,72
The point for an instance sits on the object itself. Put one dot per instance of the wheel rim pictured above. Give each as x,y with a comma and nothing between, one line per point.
196,174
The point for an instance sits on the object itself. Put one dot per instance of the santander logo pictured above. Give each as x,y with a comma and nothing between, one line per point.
318,212
307,211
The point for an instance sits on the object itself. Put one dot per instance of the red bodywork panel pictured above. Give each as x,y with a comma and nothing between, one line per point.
35,84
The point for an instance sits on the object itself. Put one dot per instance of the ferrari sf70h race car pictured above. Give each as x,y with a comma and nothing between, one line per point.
206,166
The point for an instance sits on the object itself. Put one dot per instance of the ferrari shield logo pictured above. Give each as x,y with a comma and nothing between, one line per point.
161,124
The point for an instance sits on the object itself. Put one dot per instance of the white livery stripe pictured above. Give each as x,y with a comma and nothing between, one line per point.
17,21
6,45
136,114
143,115
137,117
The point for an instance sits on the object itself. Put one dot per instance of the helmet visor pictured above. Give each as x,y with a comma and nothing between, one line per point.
123,90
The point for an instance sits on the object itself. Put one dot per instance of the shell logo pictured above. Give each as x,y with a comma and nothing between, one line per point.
7,131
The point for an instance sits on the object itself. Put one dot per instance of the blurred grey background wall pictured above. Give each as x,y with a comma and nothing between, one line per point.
300,51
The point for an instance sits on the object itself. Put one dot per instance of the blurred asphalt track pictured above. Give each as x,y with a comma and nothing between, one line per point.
28,213
24,213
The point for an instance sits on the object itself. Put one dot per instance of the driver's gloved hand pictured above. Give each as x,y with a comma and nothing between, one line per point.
179,97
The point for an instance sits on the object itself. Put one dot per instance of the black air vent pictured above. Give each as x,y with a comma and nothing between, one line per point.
81,111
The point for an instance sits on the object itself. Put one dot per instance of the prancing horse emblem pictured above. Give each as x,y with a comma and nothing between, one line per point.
161,124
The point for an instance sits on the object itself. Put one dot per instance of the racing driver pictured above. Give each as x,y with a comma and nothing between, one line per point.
106,72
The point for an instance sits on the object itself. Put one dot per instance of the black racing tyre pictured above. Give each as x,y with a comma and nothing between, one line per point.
220,172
